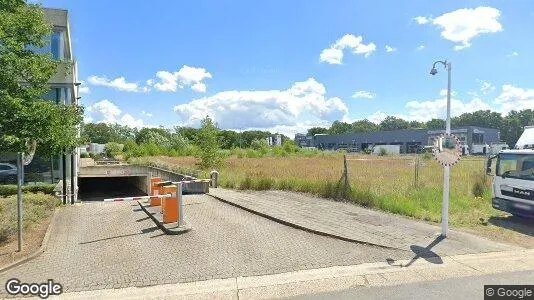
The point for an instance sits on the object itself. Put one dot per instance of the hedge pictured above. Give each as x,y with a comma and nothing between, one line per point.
11,189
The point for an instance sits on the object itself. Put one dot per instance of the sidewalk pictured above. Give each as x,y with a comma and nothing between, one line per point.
354,223
326,279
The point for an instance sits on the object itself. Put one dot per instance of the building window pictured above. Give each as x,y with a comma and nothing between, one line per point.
59,95
478,138
57,45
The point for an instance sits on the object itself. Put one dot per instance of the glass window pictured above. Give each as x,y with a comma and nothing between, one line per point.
57,45
520,166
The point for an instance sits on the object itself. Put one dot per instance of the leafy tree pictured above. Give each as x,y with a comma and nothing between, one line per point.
24,116
208,143
513,125
178,142
364,126
317,130
260,145
394,123
416,125
246,137
339,128
229,139
435,124
113,149
189,133
483,118
158,136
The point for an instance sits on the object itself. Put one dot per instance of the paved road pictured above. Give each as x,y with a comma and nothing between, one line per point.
115,245
358,223
456,288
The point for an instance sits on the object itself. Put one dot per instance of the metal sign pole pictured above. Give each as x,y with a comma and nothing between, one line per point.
19,198
446,170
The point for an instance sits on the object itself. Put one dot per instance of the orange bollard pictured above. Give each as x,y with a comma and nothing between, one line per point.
154,188
169,205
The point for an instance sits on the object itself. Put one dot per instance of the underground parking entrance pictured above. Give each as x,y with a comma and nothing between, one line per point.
100,188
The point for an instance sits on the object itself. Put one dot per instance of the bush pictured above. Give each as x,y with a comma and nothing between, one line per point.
480,185
382,152
36,208
11,189
84,155
427,155
113,149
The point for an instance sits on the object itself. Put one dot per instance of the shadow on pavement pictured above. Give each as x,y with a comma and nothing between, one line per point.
422,252
518,224
143,231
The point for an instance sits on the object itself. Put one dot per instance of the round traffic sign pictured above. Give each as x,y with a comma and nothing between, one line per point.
447,149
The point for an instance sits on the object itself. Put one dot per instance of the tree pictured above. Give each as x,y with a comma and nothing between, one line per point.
24,116
482,118
364,126
435,124
158,136
394,123
229,139
317,130
246,137
208,143
416,125
513,124
339,128
189,133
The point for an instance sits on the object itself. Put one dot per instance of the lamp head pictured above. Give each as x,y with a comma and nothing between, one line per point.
433,71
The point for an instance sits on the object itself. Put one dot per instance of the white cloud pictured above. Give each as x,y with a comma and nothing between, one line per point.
334,54
515,98
462,25
185,77
304,101
486,87
420,47
390,49
106,111
422,20
118,83
84,89
364,94
144,113
377,117
513,54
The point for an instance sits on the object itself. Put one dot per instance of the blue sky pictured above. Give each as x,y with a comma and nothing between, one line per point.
289,65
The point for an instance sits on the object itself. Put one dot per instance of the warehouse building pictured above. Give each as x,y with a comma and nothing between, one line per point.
409,140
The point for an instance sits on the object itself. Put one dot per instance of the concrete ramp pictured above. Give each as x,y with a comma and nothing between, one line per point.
353,223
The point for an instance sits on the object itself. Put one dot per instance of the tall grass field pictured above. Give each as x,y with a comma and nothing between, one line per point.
382,182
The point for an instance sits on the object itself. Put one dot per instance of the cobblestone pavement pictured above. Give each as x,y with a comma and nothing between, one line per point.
358,223
115,245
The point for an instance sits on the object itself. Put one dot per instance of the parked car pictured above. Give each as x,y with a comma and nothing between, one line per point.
8,173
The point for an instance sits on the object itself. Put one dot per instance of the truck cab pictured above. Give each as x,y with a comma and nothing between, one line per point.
513,180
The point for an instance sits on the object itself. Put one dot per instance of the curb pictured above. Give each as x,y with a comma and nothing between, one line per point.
294,225
161,226
38,252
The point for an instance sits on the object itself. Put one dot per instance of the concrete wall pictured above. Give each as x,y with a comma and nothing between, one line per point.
141,182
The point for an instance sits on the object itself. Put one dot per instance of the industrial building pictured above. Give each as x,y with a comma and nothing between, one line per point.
409,140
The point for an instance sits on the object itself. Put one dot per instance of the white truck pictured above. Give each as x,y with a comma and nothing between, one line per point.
513,180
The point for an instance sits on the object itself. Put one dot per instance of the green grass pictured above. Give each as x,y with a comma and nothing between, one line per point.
36,207
384,183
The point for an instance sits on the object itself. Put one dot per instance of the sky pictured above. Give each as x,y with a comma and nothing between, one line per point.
286,66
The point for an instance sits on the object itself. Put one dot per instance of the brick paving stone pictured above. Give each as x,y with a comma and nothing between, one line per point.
113,245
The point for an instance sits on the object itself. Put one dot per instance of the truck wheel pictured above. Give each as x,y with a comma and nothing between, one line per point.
11,179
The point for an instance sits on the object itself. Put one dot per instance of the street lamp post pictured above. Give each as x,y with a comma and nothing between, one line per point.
446,169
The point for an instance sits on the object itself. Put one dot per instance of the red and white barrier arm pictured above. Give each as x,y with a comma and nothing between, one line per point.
192,181
136,198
